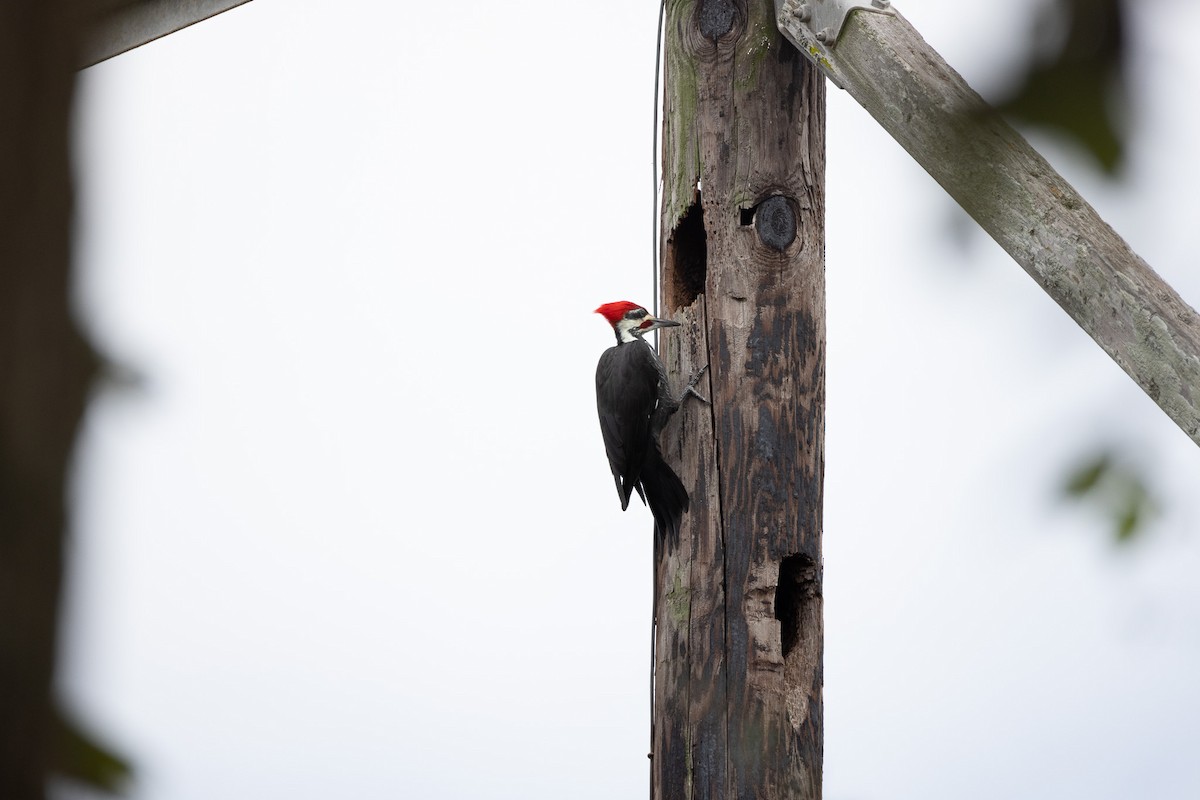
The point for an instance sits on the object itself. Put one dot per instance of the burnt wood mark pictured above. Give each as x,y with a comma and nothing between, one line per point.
738,642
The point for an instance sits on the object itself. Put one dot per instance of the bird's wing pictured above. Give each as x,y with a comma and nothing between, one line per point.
626,394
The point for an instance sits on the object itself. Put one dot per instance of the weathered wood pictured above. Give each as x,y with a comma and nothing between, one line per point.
127,24
45,368
739,638
1027,207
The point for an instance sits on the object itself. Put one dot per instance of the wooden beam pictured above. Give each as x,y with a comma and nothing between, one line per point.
1019,199
132,24
738,653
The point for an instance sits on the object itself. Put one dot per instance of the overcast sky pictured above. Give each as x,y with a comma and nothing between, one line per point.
355,534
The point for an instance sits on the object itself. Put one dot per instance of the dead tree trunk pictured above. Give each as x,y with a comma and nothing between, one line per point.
737,711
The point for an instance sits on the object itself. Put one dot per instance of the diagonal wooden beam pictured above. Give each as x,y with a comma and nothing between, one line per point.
1014,195
133,24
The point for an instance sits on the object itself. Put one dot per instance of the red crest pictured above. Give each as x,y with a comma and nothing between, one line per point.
613,312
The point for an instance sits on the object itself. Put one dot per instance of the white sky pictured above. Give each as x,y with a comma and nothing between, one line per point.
355,536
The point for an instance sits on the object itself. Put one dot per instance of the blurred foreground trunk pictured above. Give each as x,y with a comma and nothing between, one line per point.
45,370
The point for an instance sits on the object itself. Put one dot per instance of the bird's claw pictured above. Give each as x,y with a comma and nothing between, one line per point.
691,386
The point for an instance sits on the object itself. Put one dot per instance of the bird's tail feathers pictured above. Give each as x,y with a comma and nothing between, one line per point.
666,496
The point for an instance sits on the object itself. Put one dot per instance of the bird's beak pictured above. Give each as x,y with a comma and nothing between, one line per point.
658,322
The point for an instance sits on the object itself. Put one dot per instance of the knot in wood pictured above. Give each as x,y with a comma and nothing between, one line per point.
716,18
775,223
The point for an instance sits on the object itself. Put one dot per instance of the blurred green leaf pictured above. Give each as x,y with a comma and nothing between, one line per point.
1117,490
1127,523
1074,88
1084,479
81,757
1137,508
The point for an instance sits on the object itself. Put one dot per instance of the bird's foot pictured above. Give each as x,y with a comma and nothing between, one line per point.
691,386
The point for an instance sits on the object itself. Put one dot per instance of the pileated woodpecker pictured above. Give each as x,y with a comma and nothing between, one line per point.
634,404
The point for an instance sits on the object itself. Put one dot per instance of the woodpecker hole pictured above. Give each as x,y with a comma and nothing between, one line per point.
687,257
797,585
746,217
798,609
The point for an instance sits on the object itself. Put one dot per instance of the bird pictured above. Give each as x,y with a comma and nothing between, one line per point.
634,403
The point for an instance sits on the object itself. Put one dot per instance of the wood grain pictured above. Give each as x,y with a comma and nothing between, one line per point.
736,716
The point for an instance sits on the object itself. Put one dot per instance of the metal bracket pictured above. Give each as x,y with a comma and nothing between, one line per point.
823,19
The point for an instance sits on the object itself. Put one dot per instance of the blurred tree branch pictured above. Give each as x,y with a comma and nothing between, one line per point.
1077,84
46,368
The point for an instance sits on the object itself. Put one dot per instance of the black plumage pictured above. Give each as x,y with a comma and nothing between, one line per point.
633,404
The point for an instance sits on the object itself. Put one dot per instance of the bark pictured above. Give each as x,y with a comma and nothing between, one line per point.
738,711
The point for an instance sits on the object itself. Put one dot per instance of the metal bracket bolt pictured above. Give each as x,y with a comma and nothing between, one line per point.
824,19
